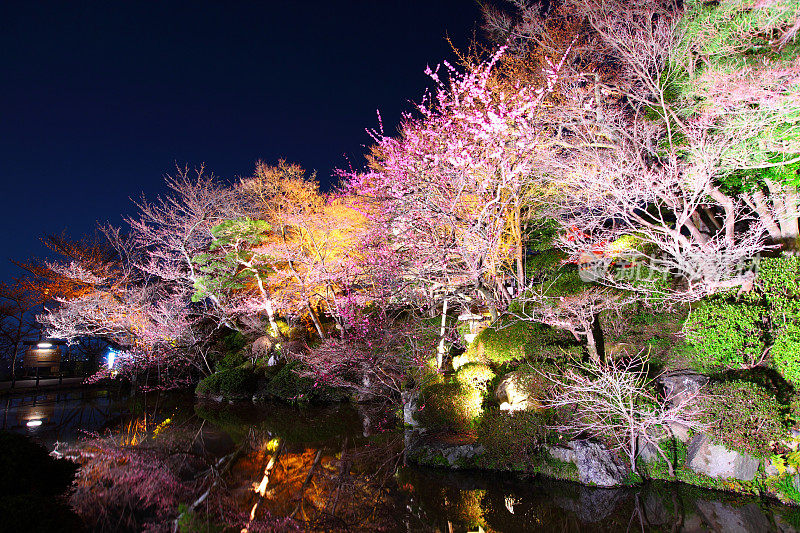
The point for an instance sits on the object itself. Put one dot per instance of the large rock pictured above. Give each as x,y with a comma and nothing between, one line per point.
720,516
715,460
410,408
681,387
516,392
596,464
262,347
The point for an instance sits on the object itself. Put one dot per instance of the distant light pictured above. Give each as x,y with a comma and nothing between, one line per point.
45,345
34,423
110,358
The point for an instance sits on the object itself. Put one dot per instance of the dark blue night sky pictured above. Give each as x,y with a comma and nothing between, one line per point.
100,100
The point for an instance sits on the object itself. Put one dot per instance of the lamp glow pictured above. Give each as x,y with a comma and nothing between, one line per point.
34,423
45,345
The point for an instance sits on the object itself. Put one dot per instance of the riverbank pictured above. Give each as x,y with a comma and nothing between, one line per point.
341,467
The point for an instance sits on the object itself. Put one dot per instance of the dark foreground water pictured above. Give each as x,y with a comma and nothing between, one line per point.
341,468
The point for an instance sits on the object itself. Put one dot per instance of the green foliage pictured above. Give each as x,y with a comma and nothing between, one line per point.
742,416
220,268
233,383
449,406
512,440
475,375
785,486
518,340
191,522
729,331
725,333
289,386
727,54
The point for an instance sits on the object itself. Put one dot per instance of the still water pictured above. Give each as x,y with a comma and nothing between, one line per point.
341,468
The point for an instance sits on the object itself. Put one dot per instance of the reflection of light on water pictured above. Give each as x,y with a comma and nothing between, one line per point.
34,423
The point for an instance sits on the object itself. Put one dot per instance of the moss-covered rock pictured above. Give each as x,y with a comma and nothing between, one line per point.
233,384
450,407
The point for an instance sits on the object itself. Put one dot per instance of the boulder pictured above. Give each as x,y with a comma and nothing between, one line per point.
680,387
462,455
596,464
679,431
647,451
516,392
720,516
262,347
715,460
410,408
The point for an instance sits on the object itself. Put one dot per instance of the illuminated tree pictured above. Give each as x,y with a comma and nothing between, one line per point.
649,159
454,188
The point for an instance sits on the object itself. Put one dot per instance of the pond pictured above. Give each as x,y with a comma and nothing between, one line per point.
273,467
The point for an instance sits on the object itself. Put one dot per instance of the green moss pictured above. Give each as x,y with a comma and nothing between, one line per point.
233,384
449,406
519,340
475,375
287,385
513,440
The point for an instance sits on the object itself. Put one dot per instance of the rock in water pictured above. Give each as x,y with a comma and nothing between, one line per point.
596,464
715,460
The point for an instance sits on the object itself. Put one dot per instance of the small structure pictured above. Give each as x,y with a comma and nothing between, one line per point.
41,354
475,322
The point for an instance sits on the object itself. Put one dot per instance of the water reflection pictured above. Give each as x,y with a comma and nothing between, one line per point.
166,461
59,416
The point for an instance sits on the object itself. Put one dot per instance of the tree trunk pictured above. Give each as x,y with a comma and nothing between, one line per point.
442,331
520,251
315,320
595,343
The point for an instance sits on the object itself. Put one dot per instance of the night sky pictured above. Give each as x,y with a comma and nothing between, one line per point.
100,100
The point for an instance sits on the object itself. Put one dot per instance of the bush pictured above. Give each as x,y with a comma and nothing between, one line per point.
287,385
730,331
449,406
475,375
517,340
726,333
512,440
234,383
742,416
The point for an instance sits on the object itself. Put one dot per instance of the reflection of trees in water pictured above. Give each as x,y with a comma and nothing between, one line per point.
323,488
447,501
193,473
322,469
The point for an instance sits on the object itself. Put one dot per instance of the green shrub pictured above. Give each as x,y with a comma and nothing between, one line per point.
517,340
449,406
726,333
475,375
512,440
731,331
288,385
742,416
234,383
